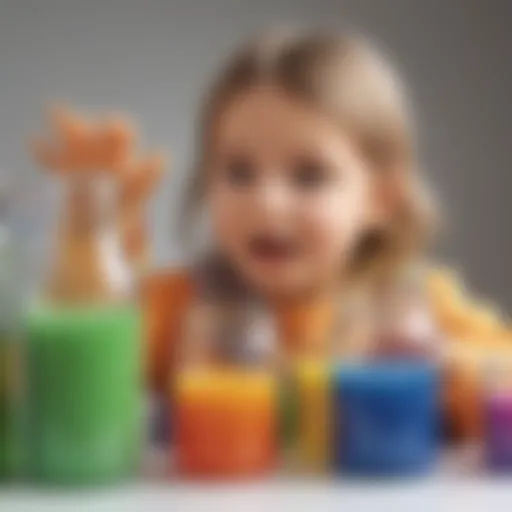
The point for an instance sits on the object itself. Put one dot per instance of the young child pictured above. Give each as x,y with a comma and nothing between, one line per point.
306,170
307,176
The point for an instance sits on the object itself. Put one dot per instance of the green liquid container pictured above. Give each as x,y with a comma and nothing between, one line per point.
11,441
4,410
84,410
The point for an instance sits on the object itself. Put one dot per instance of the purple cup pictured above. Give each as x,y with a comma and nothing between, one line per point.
498,431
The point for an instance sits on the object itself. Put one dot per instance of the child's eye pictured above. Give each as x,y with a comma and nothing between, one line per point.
309,173
240,171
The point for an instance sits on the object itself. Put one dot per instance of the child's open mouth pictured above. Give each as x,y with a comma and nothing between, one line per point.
273,249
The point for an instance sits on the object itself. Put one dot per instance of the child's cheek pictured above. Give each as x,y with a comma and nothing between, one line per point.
334,228
228,215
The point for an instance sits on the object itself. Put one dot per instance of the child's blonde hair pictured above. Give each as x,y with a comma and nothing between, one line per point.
346,78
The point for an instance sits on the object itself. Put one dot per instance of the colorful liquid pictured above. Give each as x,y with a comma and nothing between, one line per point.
386,418
498,431
226,423
10,445
4,410
287,413
314,416
85,394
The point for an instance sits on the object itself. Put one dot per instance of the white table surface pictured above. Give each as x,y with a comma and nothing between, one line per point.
456,486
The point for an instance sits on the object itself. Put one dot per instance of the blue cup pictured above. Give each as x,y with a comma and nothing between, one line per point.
386,418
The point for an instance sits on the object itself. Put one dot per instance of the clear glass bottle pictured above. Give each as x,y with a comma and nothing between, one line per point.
10,310
84,334
84,349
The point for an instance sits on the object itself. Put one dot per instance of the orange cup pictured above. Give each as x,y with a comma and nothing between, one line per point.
226,423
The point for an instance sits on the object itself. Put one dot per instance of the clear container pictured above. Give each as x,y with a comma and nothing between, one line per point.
10,347
84,352
386,418
85,401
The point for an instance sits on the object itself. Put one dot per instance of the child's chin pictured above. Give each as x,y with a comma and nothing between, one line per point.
279,286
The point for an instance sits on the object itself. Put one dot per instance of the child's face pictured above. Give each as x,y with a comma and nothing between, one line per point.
289,194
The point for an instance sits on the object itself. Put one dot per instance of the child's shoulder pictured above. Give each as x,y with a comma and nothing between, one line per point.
163,281
463,315
166,297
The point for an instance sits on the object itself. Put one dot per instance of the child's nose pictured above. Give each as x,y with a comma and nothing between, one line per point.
272,198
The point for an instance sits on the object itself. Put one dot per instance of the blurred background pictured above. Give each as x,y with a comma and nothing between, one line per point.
154,58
